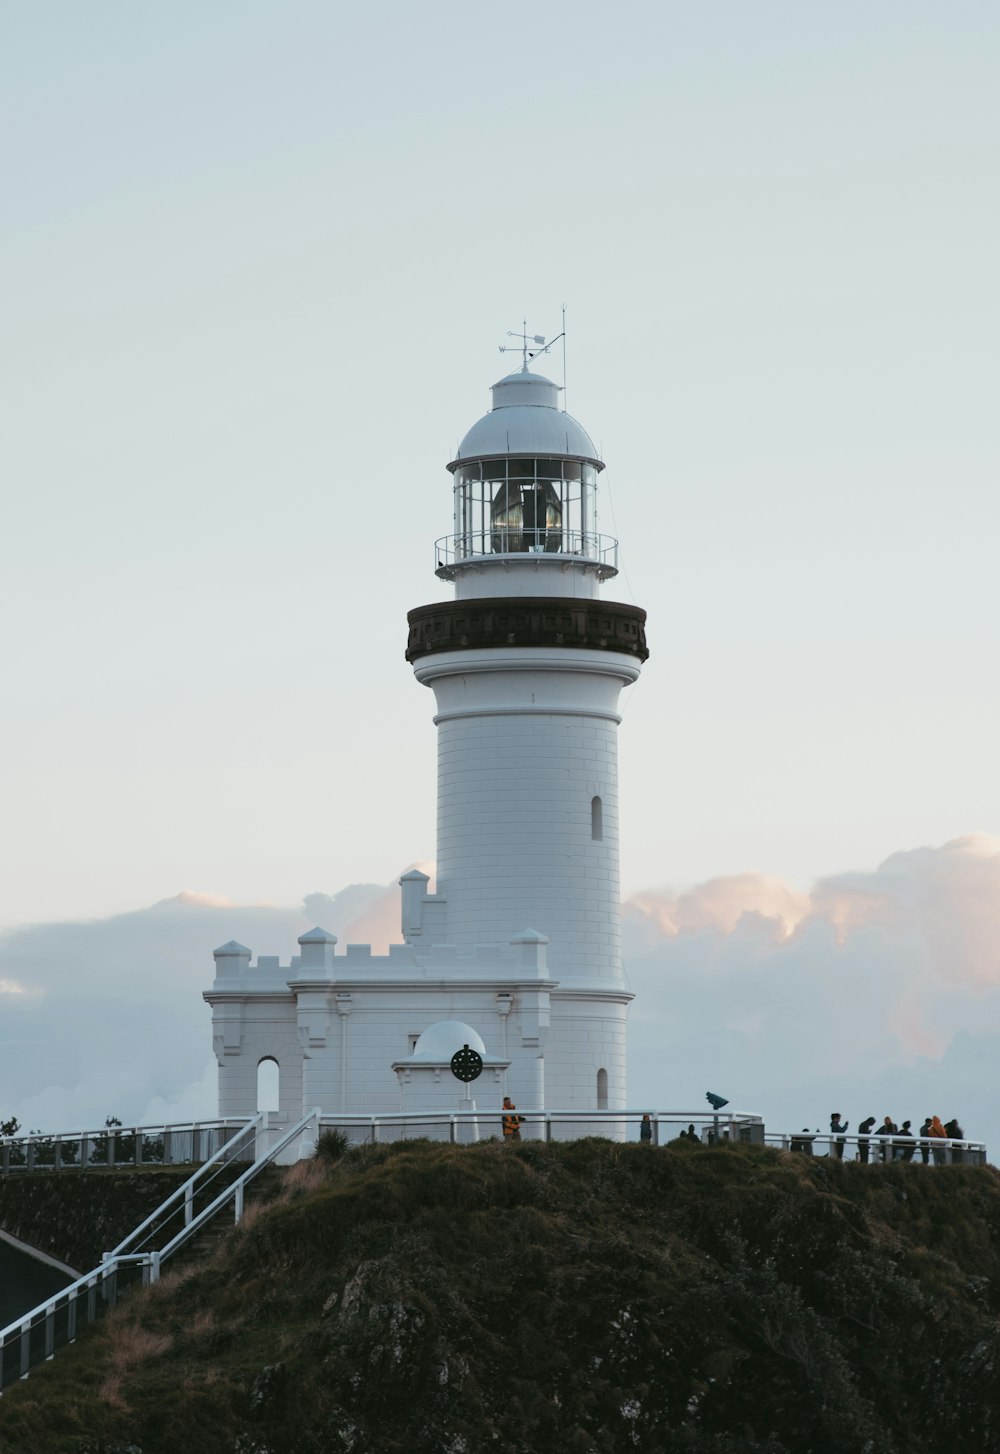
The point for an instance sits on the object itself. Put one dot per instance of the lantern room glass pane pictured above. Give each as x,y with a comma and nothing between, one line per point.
514,505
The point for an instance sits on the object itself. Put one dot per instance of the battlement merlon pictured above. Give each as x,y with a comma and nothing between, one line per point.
422,914
524,958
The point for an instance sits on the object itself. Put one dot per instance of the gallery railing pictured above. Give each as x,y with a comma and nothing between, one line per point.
492,542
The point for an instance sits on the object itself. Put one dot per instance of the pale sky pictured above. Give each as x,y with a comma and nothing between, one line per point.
257,260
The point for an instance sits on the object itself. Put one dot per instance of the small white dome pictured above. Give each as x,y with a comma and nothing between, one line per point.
440,1041
526,419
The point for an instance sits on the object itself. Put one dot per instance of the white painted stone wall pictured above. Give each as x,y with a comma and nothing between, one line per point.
337,1024
527,739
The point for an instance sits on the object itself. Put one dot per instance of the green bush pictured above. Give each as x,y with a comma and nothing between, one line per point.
331,1145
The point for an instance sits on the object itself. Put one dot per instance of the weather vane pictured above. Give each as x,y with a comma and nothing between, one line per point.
524,347
530,345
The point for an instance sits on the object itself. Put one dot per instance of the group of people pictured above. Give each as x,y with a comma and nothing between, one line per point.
646,1131
896,1143
891,1142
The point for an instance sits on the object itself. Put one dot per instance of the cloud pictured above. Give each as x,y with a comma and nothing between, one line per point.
11,987
863,990
874,992
722,903
106,1016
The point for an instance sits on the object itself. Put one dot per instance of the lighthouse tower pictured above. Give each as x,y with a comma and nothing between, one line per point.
527,664
517,954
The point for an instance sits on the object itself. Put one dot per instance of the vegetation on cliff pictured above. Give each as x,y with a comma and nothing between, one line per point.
586,1297
77,1216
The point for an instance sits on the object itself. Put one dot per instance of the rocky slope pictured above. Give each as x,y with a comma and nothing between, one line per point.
585,1297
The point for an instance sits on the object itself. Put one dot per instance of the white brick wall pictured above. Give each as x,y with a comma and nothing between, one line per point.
527,738
555,1041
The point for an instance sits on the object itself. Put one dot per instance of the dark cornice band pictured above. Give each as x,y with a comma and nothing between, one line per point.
527,621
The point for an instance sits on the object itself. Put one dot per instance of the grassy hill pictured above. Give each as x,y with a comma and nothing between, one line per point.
582,1297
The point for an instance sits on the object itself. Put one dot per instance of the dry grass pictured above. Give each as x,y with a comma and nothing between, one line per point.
251,1216
111,1391
170,1281
304,1177
129,1344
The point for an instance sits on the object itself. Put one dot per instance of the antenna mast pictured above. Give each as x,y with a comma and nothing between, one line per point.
564,355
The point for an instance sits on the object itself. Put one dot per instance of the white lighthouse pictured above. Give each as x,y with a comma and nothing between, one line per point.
519,948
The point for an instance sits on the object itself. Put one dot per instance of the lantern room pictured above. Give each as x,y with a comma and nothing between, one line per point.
525,485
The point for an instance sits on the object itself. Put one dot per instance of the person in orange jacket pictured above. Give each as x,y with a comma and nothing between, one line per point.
511,1122
937,1129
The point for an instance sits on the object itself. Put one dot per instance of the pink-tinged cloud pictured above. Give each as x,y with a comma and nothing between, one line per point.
722,903
886,979
956,905
946,898
380,923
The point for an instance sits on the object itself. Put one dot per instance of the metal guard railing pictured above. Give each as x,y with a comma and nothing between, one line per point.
515,543
876,1150
664,1126
555,1125
167,1145
36,1335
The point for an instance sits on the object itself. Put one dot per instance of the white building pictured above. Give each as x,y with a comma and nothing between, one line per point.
518,951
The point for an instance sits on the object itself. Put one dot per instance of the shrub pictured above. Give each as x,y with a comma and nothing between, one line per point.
331,1145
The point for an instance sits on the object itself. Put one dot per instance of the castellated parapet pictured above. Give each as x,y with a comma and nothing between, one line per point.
343,1026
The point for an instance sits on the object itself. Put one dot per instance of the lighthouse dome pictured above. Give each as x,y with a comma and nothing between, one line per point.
526,420
439,1041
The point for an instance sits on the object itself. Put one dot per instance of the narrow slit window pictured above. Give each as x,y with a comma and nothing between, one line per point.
596,819
602,1090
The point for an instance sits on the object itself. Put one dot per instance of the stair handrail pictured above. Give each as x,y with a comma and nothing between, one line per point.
188,1186
149,1261
111,1261
234,1191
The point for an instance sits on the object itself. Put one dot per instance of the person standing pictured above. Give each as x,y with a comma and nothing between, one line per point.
938,1133
646,1129
864,1131
904,1132
925,1131
955,1133
887,1128
511,1121
838,1130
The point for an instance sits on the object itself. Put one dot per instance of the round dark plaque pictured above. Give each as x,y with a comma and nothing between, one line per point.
466,1064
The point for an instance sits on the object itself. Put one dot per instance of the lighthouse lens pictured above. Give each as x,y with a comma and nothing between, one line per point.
526,515
523,505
